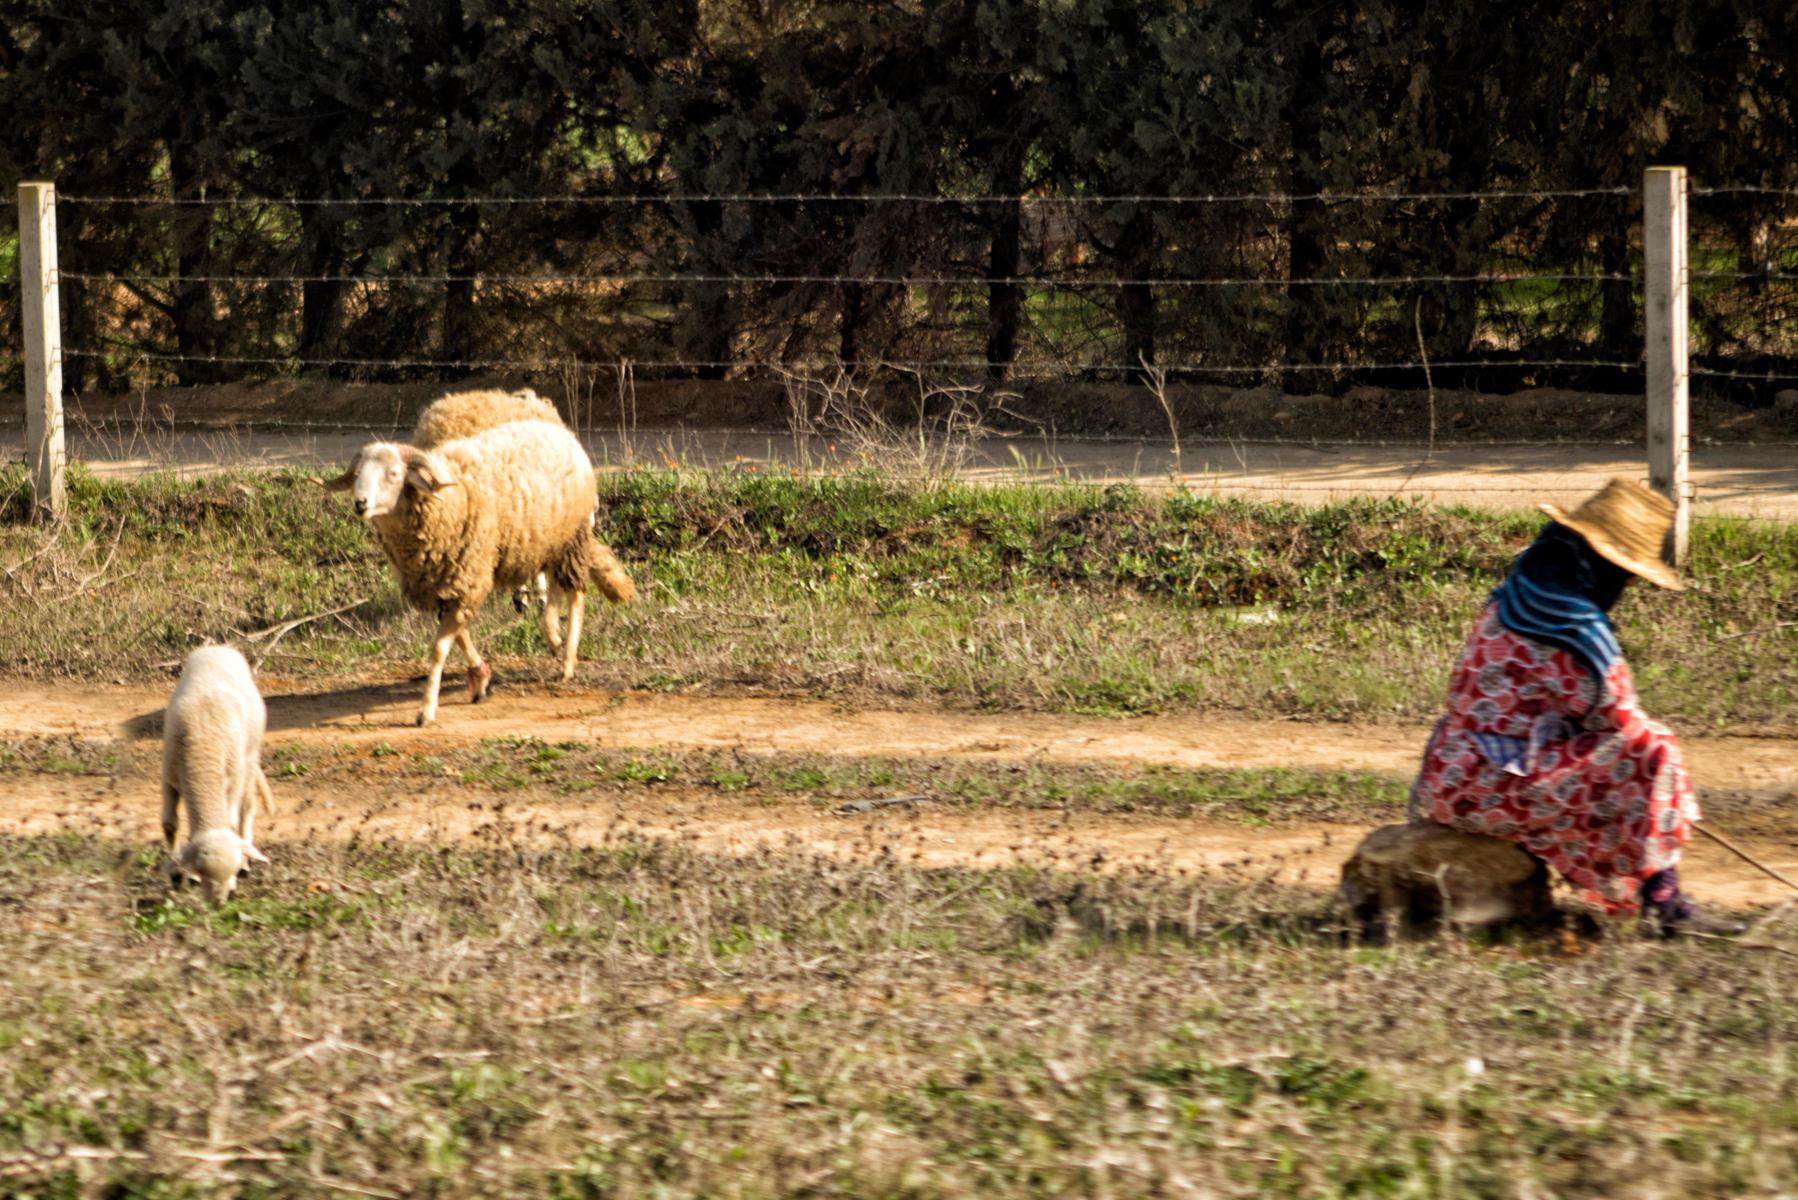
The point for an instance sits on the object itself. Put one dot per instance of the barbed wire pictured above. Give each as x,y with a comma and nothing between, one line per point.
1038,366
1782,276
1745,190
894,280
1751,376
869,198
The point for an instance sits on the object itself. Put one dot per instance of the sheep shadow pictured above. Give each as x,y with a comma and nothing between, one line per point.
394,702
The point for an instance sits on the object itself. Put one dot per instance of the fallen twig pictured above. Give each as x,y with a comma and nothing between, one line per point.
1763,629
356,1189
857,807
1738,941
276,632
107,565
1746,562
13,571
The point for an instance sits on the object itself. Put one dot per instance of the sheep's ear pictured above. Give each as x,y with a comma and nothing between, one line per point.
425,473
426,480
342,482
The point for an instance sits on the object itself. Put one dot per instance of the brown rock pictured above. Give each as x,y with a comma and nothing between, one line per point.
1418,875
1786,400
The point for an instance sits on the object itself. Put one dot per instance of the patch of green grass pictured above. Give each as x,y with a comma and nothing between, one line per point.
64,756
1254,794
1119,600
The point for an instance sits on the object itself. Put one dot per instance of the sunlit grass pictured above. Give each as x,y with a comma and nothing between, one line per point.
860,587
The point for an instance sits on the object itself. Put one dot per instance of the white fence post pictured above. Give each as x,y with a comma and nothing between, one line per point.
39,285
1666,281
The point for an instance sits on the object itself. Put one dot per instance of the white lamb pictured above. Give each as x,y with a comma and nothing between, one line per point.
477,513
212,759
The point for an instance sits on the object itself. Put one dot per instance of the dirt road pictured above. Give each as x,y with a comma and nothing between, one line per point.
1733,480
1756,778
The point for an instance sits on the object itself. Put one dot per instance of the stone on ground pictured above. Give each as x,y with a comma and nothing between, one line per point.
1420,874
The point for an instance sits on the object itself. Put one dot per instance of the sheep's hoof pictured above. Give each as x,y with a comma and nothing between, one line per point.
480,682
175,880
422,719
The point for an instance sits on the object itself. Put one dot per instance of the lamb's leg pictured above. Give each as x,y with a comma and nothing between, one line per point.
480,675
448,627
246,817
577,605
171,805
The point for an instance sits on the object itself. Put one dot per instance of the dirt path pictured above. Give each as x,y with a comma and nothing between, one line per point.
1761,774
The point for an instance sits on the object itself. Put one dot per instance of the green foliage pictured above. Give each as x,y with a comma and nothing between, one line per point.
337,104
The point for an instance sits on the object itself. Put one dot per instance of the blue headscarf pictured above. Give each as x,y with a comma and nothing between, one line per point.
1558,592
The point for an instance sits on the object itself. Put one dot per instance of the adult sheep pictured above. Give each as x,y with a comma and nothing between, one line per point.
460,414
212,759
475,513
560,586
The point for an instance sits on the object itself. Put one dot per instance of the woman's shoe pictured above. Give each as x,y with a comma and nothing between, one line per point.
1667,913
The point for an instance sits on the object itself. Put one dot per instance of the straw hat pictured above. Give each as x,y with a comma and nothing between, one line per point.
1626,523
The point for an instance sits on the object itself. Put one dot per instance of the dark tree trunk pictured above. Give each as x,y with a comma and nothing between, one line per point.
1307,226
321,299
706,326
1136,299
852,318
458,293
1004,300
191,303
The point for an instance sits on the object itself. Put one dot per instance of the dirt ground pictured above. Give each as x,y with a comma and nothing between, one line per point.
1751,784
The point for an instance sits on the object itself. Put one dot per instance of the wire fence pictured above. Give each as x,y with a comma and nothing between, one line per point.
150,301
1083,312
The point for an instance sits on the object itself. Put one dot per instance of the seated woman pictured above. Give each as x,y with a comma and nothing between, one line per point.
1541,741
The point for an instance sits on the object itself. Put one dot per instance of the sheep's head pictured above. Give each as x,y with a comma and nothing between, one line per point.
381,472
215,858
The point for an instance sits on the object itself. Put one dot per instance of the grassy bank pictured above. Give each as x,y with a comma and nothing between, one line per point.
637,1019
875,592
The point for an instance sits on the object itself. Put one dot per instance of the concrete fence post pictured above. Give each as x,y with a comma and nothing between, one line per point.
1666,281
39,285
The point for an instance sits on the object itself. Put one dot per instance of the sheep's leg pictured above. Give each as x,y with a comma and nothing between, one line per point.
171,805
171,802
448,627
577,605
480,675
246,817
552,632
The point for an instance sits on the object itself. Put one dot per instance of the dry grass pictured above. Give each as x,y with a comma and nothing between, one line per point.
641,1019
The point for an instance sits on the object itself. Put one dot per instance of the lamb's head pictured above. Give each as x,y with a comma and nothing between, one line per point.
215,858
381,473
